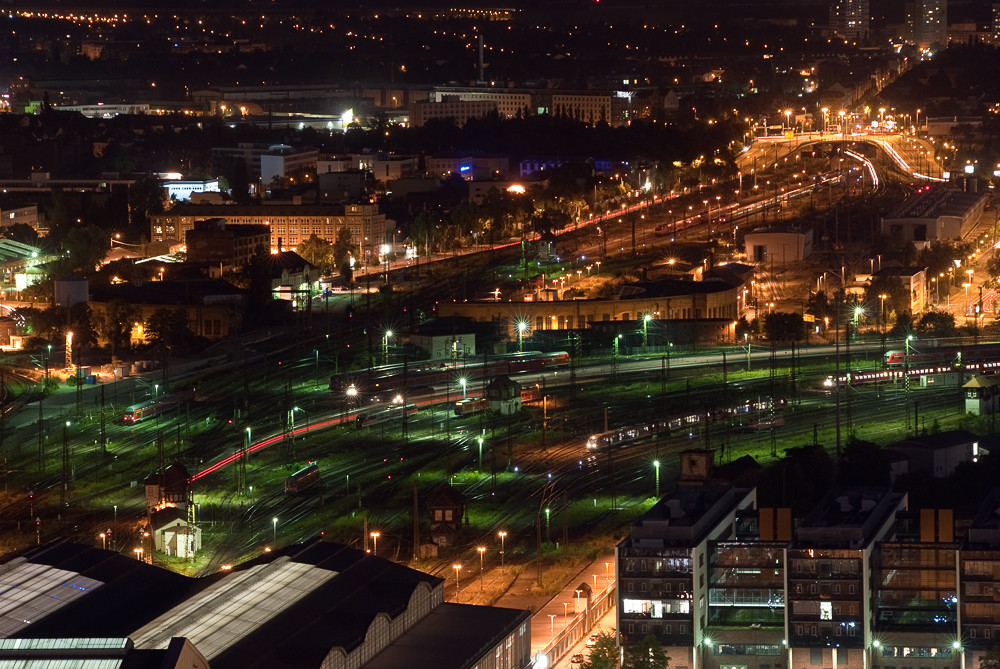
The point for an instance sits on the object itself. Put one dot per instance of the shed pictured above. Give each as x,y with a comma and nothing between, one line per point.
504,396
446,507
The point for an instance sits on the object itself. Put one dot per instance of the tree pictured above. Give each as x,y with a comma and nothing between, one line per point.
23,233
990,659
993,267
86,247
320,252
781,326
897,297
343,248
604,654
647,654
936,324
114,325
169,328
548,221
145,197
819,305
863,463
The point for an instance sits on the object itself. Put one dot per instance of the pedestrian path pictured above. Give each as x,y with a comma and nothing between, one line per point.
560,622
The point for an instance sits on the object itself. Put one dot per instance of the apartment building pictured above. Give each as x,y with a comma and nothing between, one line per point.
860,581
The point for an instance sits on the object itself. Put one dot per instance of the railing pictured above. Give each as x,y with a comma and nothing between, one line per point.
581,625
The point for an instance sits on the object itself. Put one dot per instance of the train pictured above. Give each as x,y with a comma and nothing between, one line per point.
136,413
441,372
470,406
618,437
303,479
953,356
380,414
944,355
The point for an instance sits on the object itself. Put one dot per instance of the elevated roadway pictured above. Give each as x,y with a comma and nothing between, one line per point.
913,155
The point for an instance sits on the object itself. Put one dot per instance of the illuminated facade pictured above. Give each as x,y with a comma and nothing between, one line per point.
849,19
861,581
290,224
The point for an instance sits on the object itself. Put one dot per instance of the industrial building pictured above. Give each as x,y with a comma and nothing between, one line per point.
309,605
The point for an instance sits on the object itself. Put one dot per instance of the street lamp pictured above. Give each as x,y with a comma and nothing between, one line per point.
457,568
481,549
274,531
882,298
502,535
521,327
656,466
385,346
375,536
104,540
480,440
138,553
462,382
645,327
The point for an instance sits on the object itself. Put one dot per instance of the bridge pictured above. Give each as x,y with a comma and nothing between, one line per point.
913,155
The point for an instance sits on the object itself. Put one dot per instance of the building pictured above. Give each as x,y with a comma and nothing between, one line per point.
442,343
928,23
214,242
937,214
482,166
590,108
383,166
213,307
293,278
849,19
914,281
283,162
173,534
508,103
290,224
309,606
778,246
938,454
456,109
661,568
350,185
665,301
20,215
178,190
861,580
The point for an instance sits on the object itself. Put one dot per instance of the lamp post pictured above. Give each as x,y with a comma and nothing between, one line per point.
457,568
462,382
502,534
552,622
607,571
656,466
645,329
385,347
375,536
482,550
104,540
479,439
882,298
274,531
906,377
114,536
138,553
521,327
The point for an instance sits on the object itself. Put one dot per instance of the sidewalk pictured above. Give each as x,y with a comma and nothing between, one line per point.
559,622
